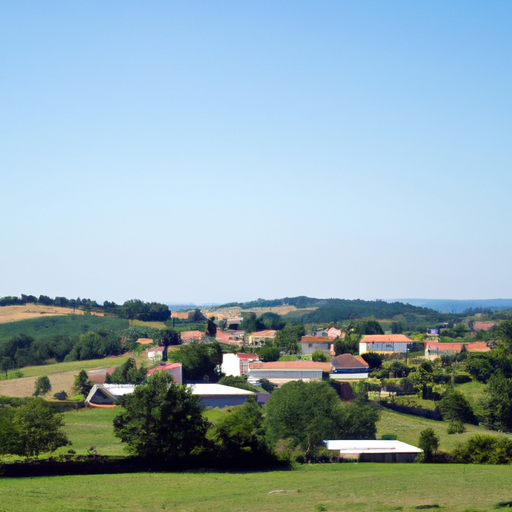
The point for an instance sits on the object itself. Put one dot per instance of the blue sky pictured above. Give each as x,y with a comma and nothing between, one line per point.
207,151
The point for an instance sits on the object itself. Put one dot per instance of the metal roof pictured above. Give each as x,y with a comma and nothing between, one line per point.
371,446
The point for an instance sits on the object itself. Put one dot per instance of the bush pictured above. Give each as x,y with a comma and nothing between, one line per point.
456,427
484,449
78,398
318,355
60,395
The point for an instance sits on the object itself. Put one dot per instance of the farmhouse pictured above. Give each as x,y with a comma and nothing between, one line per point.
256,339
385,343
281,372
434,349
375,450
309,344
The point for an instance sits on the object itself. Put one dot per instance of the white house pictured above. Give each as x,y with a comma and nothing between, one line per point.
237,364
385,343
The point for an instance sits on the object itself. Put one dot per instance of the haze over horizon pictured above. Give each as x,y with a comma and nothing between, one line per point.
208,152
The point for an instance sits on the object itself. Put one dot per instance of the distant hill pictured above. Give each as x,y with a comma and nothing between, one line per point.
458,306
334,310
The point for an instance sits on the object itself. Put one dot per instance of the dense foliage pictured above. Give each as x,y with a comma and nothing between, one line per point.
31,428
161,420
306,414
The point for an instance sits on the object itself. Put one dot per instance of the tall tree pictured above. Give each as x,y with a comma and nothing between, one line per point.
161,420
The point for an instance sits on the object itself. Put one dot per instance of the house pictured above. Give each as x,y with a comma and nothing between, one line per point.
256,339
281,372
190,336
348,367
434,349
230,338
155,353
375,450
385,343
175,369
334,333
237,364
309,344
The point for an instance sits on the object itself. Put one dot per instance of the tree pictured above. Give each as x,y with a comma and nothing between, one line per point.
128,373
199,360
161,420
6,365
429,443
267,354
318,355
211,328
368,326
239,434
36,429
170,337
42,385
497,403
306,414
288,339
454,406
82,384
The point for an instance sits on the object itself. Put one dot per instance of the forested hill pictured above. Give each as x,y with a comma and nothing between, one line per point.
333,310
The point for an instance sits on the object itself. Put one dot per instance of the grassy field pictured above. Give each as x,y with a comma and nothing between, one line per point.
92,427
60,325
407,429
310,488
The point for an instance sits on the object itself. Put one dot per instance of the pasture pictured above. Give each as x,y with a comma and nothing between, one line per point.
347,487
68,325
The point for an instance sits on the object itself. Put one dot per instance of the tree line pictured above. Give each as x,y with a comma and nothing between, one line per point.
130,309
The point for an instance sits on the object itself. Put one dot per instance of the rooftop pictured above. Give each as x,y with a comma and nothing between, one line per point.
386,338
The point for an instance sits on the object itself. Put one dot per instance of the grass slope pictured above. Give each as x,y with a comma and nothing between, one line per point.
336,487
408,428
60,325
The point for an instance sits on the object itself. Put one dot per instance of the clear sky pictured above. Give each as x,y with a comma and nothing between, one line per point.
213,151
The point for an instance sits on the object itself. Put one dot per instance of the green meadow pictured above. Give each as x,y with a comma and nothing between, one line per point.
330,487
60,325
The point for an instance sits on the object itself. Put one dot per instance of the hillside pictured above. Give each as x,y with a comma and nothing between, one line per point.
68,324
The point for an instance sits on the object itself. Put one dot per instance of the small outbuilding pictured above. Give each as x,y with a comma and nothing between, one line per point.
374,450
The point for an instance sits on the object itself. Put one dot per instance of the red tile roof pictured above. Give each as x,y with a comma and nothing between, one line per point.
315,339
291,365
192,335
268,333
451,347
386,338
164,367
247,356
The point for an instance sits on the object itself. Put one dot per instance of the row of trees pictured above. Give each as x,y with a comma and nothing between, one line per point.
131,309
24,350
164,421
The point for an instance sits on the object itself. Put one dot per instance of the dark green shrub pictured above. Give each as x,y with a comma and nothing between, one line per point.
60,395
456,427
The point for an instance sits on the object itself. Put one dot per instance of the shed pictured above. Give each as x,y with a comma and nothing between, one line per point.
374,450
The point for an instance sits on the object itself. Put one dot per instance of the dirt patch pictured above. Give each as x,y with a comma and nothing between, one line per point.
18,313
25,386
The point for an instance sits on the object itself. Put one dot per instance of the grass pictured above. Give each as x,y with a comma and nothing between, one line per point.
60,325
407,429
331,487
473,391
49,369
152,325
92,427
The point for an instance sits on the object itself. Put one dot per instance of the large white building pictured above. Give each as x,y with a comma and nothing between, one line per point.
385,343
